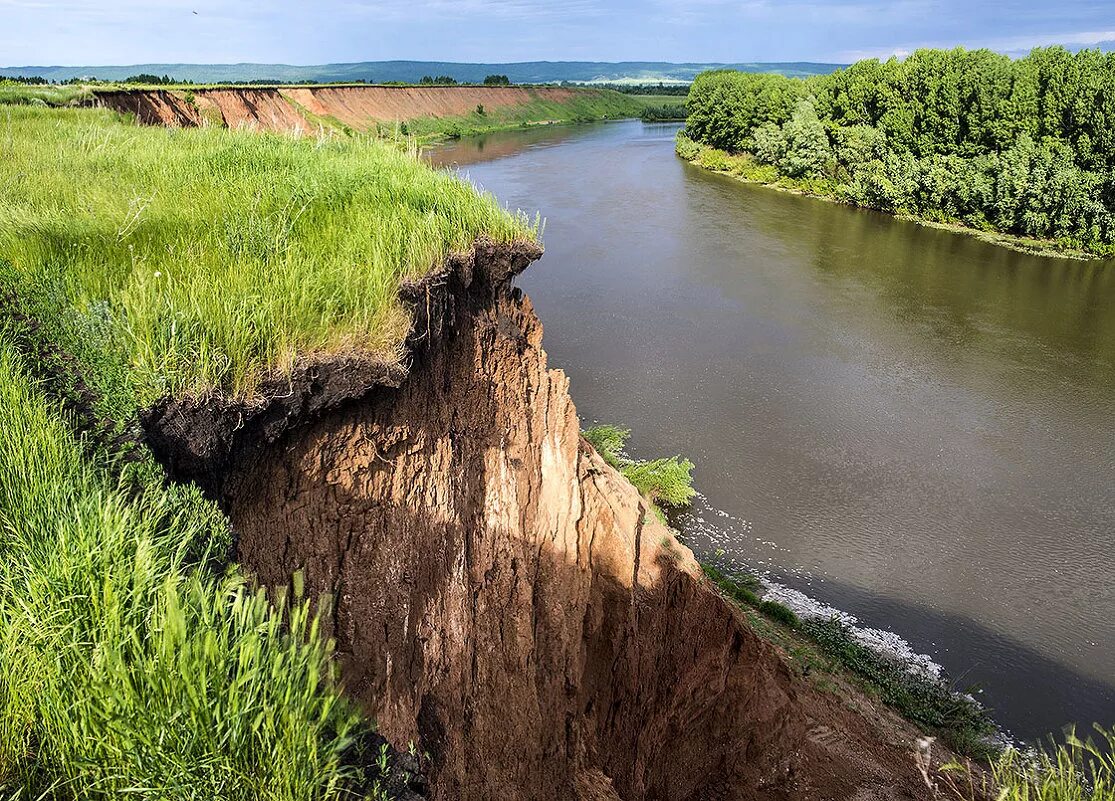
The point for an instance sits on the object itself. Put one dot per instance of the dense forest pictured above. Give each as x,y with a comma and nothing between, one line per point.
1020,146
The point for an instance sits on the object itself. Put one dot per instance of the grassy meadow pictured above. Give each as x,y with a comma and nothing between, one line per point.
214,256
12,93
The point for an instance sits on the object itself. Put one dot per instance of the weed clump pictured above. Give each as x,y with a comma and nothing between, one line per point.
666,482
1079,769
742,588
780,612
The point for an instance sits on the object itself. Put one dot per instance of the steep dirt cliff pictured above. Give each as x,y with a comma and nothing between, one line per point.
500,596
283,109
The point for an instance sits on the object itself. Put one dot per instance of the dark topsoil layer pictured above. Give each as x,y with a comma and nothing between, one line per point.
196,438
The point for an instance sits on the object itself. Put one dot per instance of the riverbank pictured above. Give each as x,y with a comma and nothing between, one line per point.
426,113
743,167
830,648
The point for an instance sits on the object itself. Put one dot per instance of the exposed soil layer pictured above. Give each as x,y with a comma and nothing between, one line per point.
502,597
358,107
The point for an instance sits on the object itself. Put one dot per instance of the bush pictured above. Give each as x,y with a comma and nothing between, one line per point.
806,151
768,143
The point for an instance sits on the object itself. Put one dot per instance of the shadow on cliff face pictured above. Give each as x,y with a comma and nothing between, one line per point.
503,599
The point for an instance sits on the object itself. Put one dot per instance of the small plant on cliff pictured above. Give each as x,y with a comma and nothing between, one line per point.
667,481
780,612
742,588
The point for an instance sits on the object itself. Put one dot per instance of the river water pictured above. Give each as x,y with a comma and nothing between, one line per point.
905,423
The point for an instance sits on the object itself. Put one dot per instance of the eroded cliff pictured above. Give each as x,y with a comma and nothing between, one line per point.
300,109
500,596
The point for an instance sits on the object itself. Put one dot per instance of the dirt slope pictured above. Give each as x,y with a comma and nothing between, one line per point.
500,596
281,109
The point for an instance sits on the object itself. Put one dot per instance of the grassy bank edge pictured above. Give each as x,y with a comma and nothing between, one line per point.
211,258
1081,768
161,668
744,168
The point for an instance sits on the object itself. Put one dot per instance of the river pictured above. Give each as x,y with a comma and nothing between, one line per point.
905,423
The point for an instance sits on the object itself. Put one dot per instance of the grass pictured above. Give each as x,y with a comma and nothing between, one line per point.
42,95
586,105
1079,769
213,257
129,666
666,482
961,722
156,262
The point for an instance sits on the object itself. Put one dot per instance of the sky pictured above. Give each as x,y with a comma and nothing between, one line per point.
102,32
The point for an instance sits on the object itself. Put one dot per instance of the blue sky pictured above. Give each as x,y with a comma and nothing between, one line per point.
76,32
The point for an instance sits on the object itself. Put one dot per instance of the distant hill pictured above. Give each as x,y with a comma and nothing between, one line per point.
412,71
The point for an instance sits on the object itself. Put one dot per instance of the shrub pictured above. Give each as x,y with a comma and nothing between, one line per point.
768,143
608,441
806,151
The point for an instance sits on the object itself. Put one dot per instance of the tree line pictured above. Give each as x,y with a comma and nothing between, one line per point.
1023,146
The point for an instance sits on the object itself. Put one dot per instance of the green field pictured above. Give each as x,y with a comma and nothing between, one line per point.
214,256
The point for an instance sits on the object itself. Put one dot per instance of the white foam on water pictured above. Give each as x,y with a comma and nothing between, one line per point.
727,533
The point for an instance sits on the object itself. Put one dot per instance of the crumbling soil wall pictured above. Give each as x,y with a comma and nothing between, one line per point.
281,109
499,596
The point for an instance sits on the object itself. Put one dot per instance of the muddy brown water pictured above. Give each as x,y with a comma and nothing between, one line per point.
905,423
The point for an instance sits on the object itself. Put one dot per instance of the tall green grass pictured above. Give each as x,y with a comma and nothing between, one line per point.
221,255
126,667
1079,769
12,92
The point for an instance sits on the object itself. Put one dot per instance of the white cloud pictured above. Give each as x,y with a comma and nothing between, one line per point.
1012,45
